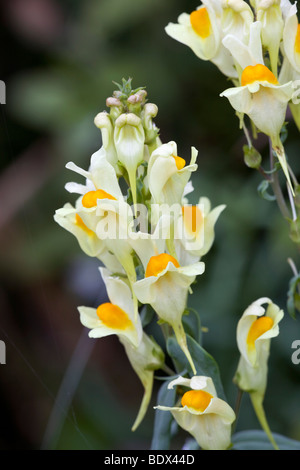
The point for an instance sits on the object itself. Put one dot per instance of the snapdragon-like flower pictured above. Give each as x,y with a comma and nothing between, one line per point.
104,122
270,15
103,216
68,218
195,228
290,69
254,332
257,326
291,35
81,219
102,207
168,174
204,29
260,95
117,317
205,416
166,284
129,137
236,19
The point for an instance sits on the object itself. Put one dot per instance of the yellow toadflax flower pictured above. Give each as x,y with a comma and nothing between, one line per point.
102,210
117,317
195,228
205,416
166,284
203,30
129,138
290,69
168,174
270,15
255,329
68,218
291,34
257,326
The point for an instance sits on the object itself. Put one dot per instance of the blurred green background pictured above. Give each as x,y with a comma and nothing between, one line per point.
59,389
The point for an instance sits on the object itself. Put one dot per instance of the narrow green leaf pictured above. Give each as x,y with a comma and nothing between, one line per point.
258,440
192,324
163,419
147,313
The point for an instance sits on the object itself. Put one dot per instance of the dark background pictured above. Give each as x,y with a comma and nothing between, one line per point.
58,60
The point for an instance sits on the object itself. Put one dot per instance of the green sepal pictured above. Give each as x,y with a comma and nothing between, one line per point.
161,438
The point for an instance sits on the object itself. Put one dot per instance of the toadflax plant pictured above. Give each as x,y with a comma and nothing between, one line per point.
133,215
148,239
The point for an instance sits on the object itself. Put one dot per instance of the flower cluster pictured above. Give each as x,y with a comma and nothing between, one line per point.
132,214
258,48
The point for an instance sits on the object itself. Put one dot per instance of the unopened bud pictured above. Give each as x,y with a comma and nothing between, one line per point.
129,118
102,120
136,98
252,157
117,94
112,101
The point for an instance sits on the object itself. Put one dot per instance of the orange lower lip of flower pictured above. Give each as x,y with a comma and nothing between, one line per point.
196,399
180,162
193,219
257,73
82,225
113,316
258,328
158,263
201,23
90,199
297,41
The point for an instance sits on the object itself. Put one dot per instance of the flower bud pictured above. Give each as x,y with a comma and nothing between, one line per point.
129,138
252,157
269,14
151,131
103,122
